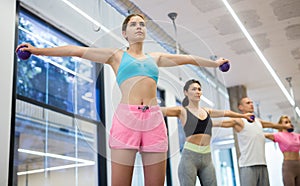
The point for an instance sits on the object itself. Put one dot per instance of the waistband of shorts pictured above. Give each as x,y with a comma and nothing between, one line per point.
139,107
197,148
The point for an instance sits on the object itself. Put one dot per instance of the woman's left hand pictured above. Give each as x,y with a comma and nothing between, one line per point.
221,61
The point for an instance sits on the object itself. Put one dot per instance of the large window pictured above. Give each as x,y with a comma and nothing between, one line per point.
58,112
67,83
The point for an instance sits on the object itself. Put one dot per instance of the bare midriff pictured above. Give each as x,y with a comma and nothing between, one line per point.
199,139
139,90
291,156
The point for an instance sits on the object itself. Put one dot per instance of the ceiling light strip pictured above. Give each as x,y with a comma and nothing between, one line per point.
297,111
82,13
36,36
86,62
81,163
54,156
78,10
260,54
65,68
54,168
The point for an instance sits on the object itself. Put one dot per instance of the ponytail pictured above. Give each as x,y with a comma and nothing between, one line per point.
185,101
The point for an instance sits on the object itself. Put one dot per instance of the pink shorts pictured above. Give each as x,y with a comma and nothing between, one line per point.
138,127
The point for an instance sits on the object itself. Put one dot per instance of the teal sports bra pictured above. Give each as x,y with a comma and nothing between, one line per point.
130,67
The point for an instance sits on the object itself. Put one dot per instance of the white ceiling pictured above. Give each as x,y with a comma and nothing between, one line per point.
274,26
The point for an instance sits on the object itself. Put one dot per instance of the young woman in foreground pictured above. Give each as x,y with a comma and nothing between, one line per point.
138,123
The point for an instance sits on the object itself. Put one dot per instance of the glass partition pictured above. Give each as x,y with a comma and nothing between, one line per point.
52,148
58,112
67,83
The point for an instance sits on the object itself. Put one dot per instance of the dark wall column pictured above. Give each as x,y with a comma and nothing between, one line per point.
235,94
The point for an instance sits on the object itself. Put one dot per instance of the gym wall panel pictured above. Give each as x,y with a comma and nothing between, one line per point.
7,33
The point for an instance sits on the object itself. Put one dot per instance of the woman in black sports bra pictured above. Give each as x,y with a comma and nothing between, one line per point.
197,124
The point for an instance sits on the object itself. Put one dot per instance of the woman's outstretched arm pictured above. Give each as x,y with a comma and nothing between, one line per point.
171,111
101,55
228,113
270,136
169,60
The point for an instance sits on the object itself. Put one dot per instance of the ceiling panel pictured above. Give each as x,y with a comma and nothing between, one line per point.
273,24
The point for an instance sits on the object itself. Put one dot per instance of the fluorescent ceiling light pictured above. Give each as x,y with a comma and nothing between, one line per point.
82,13
53,168
79,162
260,54
65,69
84,61
46,154
56,64
87,98
36,36
206,100
78,10
297,111
225,94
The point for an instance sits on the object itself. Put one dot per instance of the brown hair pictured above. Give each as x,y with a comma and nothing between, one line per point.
240,101
127,19
185,101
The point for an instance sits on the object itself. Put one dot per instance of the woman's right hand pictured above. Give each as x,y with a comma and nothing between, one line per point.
221,61
26,47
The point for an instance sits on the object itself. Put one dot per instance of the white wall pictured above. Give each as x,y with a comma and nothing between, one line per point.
7,33
274,160
174,147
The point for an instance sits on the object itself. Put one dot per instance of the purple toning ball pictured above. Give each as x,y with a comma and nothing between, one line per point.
224,67
24,55
251,117
291,129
